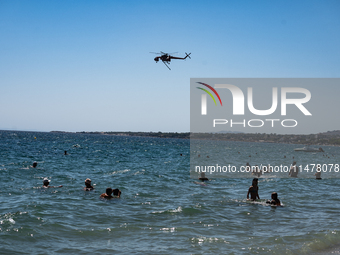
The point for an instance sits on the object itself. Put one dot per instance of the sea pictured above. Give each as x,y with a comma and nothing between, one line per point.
163,209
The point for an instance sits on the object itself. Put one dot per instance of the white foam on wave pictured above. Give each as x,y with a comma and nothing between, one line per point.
10,220
120,172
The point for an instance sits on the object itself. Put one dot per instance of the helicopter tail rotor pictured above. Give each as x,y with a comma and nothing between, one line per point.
187,55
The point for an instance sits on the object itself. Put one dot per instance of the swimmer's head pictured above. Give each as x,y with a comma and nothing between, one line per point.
255,181
35,164
88,181
109,191
274,195
202,175
46,181
116,192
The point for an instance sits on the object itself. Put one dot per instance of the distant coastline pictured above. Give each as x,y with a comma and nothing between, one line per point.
331,138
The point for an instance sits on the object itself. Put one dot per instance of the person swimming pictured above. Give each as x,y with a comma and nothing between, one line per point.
318,172
35,163
248,167
203,178
253,190
257,171
275,200
88,185
116,193
294,170
318,175
269,169
46,183
107,194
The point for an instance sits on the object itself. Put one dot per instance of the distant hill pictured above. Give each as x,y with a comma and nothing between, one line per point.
331,133
228,132
325,138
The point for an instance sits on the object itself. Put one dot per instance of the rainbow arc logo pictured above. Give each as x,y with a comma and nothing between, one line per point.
209,93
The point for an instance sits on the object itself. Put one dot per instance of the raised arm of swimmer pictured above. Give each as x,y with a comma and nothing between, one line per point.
46,184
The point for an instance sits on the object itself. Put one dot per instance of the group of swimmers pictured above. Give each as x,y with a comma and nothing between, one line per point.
254,194
109,193
293,171
253,191
88,187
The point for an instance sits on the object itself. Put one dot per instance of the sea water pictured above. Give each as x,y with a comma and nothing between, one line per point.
161,210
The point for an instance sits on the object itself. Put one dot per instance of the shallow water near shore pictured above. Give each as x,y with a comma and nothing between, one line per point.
162,210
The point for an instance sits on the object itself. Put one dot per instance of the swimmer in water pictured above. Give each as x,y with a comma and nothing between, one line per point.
318,172
46,183
275,200
257,172
253,190
294,170
248,167
267,169
203,178
107,194
116,193
35,163
270,169
88,185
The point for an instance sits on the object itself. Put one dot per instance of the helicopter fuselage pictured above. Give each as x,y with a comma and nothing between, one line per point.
166,58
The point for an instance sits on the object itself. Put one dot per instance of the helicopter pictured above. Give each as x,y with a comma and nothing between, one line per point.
166,57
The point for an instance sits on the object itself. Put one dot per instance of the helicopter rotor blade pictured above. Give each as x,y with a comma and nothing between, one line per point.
161,52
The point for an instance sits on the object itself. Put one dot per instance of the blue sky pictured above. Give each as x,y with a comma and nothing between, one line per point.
86,66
